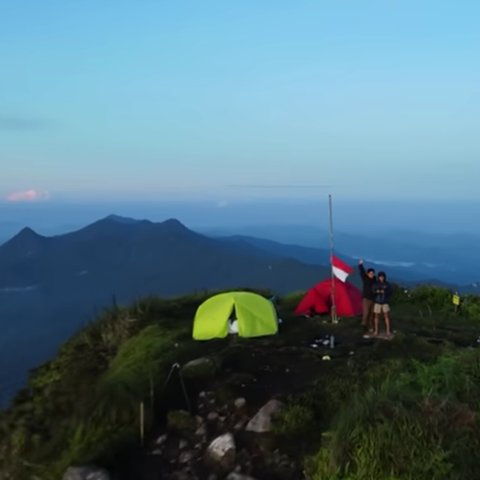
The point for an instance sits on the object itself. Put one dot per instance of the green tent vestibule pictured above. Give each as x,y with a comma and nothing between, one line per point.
255,315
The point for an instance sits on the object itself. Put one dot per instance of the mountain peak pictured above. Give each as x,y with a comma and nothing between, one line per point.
119,219
174,223
174,226
27,232
26,238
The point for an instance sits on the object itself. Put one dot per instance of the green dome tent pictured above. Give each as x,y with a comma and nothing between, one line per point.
256,316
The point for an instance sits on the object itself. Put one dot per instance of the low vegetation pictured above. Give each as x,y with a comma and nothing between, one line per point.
404,409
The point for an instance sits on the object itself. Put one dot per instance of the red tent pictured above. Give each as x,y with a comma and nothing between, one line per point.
348,299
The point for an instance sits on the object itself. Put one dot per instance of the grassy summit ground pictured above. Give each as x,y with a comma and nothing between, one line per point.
401,409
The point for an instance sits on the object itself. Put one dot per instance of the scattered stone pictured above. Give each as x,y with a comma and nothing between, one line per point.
240,403
85,473
221,452
161,439
201,431
239,476
156,452
186,456
239,426
182,444
262,421
181,475
212,416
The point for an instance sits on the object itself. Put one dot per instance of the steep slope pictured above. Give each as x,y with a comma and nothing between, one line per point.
417,389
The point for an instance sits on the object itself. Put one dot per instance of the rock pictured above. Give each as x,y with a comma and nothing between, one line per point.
212,416
186,456
239,426
200,368
238,476
212,476
182,444
262,421
161,439
85,473
221,452
180,475
240,403
201,431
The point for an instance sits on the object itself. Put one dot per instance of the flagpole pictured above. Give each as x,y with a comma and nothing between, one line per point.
332,290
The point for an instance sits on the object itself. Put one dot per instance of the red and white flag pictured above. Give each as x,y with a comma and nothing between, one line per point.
340,269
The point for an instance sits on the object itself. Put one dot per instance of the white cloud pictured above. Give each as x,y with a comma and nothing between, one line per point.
31,195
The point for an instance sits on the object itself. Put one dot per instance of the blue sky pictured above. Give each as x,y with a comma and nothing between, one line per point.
142,100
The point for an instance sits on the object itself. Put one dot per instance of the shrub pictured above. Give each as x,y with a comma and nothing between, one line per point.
418,424
294,420
181,422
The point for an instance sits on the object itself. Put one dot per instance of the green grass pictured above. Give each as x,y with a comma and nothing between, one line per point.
403,409
419,423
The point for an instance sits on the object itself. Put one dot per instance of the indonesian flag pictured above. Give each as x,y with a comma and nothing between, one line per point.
340,269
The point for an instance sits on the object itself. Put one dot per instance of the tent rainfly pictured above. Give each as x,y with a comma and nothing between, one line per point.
318,300
255,316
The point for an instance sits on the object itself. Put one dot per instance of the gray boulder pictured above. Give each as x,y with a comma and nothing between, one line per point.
239,476
85,473
221,452
262,421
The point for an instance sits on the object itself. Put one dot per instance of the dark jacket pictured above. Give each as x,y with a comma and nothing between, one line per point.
382,292
367,283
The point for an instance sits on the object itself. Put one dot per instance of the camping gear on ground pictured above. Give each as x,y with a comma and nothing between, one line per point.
326,341
255,316
318,300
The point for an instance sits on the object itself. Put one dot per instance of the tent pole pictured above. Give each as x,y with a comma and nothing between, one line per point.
334,306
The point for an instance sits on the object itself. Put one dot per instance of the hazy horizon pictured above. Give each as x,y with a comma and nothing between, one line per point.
362,217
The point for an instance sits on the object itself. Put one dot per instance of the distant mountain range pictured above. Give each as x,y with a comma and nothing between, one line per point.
127,257
50,286
407,255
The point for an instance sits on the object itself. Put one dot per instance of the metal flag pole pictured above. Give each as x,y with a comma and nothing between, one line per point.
333,310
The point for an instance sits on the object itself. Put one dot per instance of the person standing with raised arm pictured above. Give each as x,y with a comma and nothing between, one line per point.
369,280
